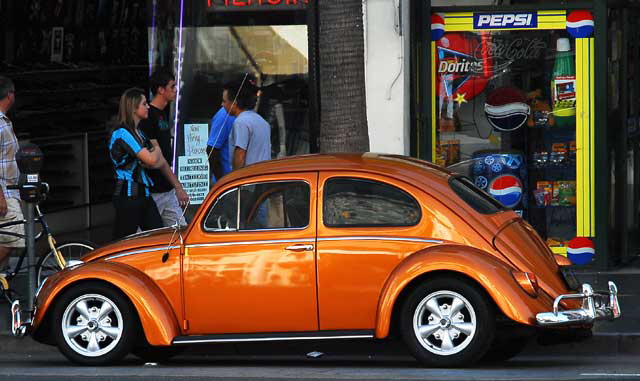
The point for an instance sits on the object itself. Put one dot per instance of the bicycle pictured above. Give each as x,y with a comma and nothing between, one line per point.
58,257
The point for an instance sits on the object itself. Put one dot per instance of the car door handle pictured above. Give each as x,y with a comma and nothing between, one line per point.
299,247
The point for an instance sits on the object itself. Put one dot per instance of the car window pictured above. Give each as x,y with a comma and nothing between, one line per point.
274,205
223,215
478,199
358,202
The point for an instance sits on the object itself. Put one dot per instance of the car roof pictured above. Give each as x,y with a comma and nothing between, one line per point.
395,165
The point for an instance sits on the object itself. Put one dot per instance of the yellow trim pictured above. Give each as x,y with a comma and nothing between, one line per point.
4,285
463,21
580,164
585,144
562,250
592,151
434,112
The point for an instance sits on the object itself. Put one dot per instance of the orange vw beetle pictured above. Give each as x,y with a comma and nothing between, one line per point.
324,247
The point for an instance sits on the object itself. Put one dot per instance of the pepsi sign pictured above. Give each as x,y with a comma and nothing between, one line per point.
505,20
581,250
507,189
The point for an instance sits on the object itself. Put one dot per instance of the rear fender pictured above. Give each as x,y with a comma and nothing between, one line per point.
156,315
492,274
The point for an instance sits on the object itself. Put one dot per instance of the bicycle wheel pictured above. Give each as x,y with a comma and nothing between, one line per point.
73,250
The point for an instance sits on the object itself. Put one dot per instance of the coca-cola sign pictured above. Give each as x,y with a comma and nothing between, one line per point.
503,53
255,5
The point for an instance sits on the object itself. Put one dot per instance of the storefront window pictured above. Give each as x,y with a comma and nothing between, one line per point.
505,115
275,55
212,42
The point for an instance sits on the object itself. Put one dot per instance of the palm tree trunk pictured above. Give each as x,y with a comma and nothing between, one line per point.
343,115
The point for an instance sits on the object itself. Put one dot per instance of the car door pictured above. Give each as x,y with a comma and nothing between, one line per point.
249,266
367,225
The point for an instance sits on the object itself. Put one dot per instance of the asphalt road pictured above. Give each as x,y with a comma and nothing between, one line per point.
52,366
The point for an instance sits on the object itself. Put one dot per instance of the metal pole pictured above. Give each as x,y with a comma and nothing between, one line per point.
31,254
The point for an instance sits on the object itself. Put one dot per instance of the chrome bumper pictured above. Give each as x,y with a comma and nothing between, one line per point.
18,326
595,306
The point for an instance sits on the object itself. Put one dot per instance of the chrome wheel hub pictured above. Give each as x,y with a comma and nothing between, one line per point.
444,323
92,325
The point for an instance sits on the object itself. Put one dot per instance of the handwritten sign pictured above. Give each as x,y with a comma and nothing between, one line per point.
193,173
195,139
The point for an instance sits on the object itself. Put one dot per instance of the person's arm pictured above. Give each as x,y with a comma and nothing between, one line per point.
239,158
165,169
181,195
240,143
3,204
215,162
151,158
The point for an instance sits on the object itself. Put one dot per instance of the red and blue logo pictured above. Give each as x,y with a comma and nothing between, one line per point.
437,26
580,24
507,189
581,250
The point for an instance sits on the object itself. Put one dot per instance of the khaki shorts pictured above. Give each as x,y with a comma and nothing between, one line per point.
14,213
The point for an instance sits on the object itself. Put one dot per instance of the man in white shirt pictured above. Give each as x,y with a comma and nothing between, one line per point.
10,209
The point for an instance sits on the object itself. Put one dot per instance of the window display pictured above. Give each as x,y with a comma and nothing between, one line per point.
506,92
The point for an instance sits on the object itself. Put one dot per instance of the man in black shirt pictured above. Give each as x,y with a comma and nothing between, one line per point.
166,191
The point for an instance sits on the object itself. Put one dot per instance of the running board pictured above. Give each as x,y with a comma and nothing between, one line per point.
277,336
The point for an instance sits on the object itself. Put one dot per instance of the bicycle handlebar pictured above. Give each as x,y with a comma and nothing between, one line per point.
44,187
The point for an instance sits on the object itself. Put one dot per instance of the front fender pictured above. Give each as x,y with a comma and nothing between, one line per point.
156,315
487,270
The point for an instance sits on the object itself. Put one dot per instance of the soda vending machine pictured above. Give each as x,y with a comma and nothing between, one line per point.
512,100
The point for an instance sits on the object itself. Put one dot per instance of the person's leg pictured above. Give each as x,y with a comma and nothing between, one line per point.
159,199
128,216
150,217
171,210
10,242
4,257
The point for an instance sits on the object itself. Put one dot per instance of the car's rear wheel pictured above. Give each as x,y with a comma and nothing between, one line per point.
94,324
448,322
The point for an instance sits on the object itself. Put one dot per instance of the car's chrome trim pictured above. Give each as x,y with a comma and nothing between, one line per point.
235,243
307,240
140,252
145,232
288,336
595,306
379,238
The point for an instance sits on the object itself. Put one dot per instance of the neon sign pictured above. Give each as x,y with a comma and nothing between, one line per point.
255,5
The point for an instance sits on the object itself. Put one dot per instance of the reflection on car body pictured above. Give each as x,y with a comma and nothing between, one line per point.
324,247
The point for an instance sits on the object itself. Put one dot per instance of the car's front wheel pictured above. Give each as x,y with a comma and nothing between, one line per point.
94,324
447,322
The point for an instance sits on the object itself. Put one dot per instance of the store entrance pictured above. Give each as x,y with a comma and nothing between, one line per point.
629,63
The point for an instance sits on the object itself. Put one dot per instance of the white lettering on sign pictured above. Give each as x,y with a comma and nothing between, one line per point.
193,174
463,66
505,20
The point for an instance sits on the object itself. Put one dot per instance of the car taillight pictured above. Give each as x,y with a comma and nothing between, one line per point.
527,281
